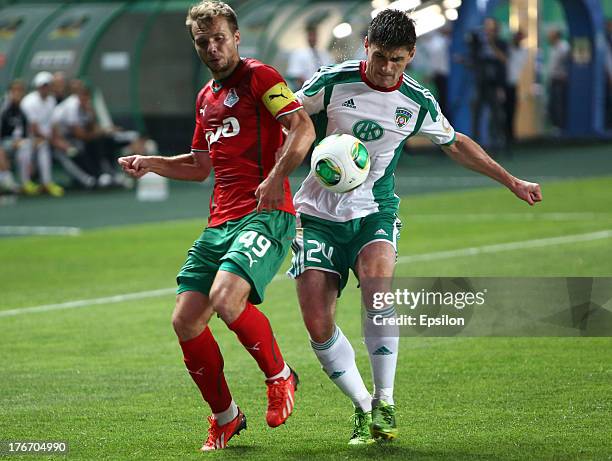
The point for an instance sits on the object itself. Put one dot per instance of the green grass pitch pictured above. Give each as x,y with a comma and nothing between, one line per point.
109,378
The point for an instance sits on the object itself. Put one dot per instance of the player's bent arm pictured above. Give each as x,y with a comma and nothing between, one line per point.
469,154
195,166
300,136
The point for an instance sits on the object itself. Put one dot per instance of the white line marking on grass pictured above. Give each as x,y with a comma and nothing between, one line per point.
477,217
510,246
88,302
97,301
39,230
464,181
471,251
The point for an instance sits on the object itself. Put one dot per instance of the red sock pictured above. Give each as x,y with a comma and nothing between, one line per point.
204,362
255,333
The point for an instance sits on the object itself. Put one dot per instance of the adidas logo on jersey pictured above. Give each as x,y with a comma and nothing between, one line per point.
381,232
349,103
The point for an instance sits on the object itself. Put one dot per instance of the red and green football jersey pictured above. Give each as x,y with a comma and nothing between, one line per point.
237,124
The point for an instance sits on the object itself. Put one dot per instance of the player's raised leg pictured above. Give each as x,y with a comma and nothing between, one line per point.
375,265
204,362
229,295
317,291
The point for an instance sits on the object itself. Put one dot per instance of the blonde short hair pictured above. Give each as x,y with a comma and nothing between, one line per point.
207,10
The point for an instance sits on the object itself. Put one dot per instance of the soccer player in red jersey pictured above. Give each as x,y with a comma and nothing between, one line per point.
239,119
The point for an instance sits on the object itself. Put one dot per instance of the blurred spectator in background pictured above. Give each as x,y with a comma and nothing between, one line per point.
60,86
77,133
64,152
7,181
38,107
436,48
14,142
558,66
304,62
609,74
517,58
488,58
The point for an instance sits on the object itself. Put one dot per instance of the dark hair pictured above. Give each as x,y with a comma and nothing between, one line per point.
207,10
17,82
392,29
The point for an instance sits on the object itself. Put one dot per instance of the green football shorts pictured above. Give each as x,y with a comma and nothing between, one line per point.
252,247
334,246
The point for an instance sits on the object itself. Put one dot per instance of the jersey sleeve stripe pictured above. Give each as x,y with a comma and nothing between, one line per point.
421,96
199,150
419,88
331,79
319,79
288,112
451,142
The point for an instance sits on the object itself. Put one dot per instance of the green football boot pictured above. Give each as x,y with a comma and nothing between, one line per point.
383,421
361,428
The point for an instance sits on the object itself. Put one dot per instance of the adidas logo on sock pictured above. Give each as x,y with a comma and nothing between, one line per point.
381,232
337,374
349,103
382,351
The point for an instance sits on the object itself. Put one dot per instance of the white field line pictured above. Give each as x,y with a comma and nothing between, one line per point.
510,246
89,302
426,217
39,230
465,181
471,251
477,217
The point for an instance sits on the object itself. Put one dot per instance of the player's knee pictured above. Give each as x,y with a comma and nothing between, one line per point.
320,327
373,270
222,304
320,333
181,327
189,318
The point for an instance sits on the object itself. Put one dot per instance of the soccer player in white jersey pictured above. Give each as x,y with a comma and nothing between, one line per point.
383,107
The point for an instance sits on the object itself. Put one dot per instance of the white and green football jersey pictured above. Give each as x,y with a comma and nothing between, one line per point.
340,99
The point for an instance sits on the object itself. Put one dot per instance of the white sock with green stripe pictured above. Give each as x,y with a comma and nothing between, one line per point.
337,358
382,344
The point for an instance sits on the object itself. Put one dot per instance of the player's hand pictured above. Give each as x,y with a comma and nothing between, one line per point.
270,194
135,165
528,191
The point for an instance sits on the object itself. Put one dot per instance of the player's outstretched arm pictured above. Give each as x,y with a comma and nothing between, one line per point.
469,154
195,166
300,136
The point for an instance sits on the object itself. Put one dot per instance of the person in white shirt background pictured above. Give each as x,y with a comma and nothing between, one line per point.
304,62
437,52
38,107
59,86
558,61
93,149
517,58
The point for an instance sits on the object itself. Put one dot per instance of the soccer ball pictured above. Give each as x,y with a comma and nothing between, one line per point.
340,163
